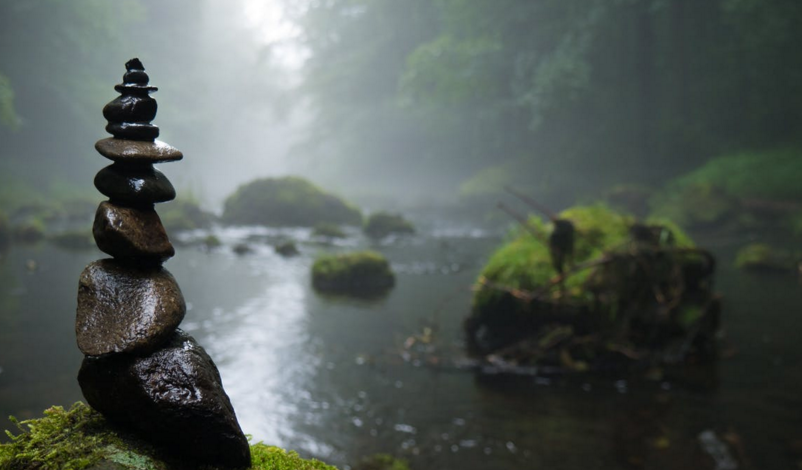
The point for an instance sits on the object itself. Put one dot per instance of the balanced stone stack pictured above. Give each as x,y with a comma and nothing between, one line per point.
140,370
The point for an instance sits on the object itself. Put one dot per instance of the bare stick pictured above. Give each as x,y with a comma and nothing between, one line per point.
532,203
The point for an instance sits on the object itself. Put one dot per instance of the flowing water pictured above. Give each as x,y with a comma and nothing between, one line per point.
328,376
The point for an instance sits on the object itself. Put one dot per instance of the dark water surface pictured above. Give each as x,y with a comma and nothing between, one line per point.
325,376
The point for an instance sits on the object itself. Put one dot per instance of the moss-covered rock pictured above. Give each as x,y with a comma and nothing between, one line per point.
80,438
363,272
287,249
695,205
184,214
622,274
762,257
382,224
287,202
328,231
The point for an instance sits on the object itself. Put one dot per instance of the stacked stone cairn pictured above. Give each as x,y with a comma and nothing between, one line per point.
140,370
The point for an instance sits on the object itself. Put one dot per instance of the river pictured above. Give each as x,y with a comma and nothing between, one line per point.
327,376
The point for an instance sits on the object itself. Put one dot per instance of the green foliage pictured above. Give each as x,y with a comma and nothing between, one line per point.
382,462
769,174
288,201
382,224
79,438
356,272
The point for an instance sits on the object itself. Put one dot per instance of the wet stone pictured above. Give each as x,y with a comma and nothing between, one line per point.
131,233
124,150
129,108
123,309
174,397
134,184
133,130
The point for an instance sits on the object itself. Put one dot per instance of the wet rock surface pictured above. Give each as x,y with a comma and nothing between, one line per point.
137,151
134,184
131,233
134,108
133,130
126,310
173,397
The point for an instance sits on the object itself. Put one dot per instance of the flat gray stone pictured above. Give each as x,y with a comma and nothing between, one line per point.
123,150
173,397
135,234
123,309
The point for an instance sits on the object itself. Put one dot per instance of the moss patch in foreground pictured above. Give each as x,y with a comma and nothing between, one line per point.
361,272
80,438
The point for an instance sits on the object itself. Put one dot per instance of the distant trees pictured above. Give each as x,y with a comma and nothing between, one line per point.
541,90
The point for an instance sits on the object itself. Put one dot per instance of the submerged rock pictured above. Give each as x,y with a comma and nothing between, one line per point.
762,257
364,272
139,185
382,224
287,249
122,309
174,397
130,233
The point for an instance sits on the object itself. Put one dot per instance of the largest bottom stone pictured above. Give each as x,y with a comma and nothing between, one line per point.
174,397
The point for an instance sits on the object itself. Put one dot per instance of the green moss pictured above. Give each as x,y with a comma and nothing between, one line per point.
382,462
184,214
289,202
357,272
759,256
767,174
80,438
328,231
382,224
524,261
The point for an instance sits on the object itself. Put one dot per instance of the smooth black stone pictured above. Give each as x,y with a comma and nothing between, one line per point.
134,64
133,131
173,397
129,108
137,151
133,89
136,77
132,234
124,309
134,184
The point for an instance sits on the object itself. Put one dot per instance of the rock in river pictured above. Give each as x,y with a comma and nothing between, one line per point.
134,184
130,233
126,309
174,397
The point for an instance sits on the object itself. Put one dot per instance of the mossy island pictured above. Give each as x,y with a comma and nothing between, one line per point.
636,294
754,188
382,224
326,230
361,273
287,202
185,214
761,257
80,438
